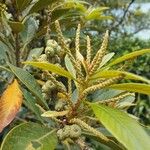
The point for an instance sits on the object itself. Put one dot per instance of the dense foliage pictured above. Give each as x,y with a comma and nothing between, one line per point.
61,89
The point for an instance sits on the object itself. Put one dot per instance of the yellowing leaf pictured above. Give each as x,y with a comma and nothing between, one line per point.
132,87
50,67
128,57
115,73
16,26
10,104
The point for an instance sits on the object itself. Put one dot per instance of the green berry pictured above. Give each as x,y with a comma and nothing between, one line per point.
43,57
66,131
51,43
49,51
60,134
48,86
60,52
75,131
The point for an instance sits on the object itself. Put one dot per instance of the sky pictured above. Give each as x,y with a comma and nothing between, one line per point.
144,34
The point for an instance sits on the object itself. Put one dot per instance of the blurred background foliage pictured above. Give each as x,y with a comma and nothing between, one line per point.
26,24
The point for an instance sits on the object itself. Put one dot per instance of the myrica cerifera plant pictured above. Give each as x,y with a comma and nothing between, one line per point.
89,104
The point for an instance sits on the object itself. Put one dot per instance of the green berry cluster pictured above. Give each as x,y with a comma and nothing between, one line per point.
52,50
69,131
47,88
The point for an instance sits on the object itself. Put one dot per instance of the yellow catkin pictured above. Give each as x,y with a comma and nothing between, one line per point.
100,54
93,88
65,47
116,98
77,41
89,128
100,85
62,41
89,49
77,50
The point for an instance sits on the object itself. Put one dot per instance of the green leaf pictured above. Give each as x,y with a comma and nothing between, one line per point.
104,94
3,50
115,73
28,80
124,128
30,29
70,66
128,57
50,67
132,87
30,136
106,58
41,4
30,102
95,13
22,4
16,26
36,52
4,68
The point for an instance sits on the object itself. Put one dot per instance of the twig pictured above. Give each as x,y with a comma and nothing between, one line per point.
123,17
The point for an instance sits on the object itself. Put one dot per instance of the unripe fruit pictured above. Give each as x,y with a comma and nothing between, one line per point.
66,131
43,57
49,51
60,134
48,86
75,131
60,52
51,43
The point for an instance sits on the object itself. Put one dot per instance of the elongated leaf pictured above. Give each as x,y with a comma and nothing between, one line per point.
36,52
3,49
50,67
133,87
28,80
54,113
106,58
95,13
69,66
124,128
4,68
30,103
129,56
30,136
16,26
22,4
41,4
114,73
30,29
10,104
